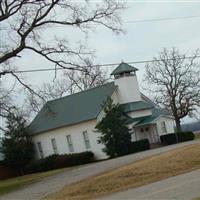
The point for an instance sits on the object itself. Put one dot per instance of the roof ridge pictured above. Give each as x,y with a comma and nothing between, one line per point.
79,92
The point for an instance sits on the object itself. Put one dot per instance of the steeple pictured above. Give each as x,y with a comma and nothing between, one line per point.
124,70
127,84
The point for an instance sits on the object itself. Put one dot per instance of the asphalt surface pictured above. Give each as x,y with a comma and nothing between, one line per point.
56,182
181,187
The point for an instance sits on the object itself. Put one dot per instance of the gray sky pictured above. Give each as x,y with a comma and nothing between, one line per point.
142,41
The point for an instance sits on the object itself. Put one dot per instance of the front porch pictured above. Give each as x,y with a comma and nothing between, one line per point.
148,131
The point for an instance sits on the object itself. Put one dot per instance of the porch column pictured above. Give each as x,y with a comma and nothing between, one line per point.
156,129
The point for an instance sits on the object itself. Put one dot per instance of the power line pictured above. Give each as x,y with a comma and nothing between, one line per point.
110,64
152,20
162,19
98,65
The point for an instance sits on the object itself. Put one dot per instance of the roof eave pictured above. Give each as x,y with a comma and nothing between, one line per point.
63,126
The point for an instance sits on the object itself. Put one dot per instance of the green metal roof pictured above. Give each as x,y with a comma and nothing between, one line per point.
130,120
156,112
134,106
146,103
123,67
71,109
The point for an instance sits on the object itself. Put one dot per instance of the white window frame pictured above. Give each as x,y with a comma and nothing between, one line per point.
54,145
40,149
163,127
86,140
70,143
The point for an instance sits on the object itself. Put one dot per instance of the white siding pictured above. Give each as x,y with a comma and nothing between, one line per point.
169,125
149,132
114,97
76,132
154,130
128,89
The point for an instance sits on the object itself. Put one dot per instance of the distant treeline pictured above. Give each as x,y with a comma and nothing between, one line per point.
193,126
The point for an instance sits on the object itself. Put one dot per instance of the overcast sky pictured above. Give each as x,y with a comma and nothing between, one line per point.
142,41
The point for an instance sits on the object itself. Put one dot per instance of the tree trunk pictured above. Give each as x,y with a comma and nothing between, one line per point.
178,124
178,128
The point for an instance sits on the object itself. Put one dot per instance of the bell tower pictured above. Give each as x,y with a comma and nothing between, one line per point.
126,80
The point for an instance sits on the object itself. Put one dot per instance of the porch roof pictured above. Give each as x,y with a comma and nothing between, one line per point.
139,121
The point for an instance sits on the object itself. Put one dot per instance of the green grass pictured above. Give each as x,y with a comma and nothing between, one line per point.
11,184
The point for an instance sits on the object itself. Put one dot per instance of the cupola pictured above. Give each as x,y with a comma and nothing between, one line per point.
127,84
124,70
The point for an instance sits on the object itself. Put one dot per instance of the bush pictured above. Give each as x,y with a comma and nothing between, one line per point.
185,136
181,136
139,145
59,161
6,171
168,139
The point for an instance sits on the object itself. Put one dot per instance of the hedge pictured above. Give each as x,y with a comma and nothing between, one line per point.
6,171
185,136
168,139
59,161
172,137
139,145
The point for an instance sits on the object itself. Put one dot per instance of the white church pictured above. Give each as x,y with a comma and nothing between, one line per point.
67,124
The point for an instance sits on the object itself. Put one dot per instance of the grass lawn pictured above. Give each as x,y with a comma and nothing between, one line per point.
17,182
197,137
142,172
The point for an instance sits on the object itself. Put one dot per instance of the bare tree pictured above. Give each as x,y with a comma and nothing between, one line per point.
71,82
174,79
24,23
24,20
6,106
92,76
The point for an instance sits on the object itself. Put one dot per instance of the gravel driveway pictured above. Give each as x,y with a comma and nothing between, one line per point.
56,182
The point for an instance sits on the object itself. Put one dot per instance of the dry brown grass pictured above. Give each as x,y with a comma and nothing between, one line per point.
142,172
15,183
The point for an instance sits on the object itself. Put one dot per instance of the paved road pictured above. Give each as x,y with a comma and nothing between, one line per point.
56,182
183,187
